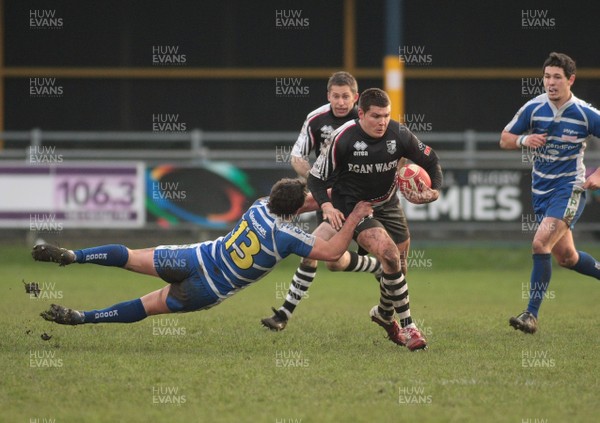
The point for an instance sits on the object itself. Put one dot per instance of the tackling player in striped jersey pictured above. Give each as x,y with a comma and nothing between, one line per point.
202,275
342,93
554,128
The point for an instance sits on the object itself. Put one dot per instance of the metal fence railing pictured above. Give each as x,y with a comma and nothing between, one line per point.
464,150
247,149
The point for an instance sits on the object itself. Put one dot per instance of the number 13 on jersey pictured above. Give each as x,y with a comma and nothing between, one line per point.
242,246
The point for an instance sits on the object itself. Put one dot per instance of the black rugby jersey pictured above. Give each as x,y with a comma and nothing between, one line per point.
317,128
364,168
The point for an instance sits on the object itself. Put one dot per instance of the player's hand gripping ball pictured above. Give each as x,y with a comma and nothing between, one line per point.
411,179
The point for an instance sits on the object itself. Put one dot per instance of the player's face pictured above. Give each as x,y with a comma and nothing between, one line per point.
557,85
375,120
341,99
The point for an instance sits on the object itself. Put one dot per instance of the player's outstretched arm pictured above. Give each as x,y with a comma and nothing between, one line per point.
333,249
301,166
310,204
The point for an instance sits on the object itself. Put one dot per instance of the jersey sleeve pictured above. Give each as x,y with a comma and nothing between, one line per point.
323,169
521,122
423,155
305,142
292,240
593,116
326,162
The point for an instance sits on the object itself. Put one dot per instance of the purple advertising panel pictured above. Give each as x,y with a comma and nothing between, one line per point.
52,197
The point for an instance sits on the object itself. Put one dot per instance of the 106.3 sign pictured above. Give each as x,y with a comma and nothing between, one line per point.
78,195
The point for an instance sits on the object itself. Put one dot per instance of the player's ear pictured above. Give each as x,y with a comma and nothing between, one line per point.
571,80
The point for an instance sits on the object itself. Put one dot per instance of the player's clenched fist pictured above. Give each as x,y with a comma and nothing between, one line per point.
534,140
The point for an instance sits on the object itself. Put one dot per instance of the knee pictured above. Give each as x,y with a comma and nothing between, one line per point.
539,247
309,262
334,266
567,259
390,259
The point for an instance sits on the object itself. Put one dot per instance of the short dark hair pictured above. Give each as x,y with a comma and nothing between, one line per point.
373,97
287,196
343,78
561,60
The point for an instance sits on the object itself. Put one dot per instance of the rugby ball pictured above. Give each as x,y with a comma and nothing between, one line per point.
410,177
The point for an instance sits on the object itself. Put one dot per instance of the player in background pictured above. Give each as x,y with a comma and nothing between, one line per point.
200,276
362,160
342,94
554,127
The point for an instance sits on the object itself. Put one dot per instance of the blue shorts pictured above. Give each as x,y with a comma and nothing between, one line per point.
565,203
179,266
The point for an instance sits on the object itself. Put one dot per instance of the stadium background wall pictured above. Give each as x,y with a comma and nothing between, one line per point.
463,56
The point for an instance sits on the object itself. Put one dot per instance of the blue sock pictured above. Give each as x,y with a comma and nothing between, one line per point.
540,279
104,255
587,265
125,312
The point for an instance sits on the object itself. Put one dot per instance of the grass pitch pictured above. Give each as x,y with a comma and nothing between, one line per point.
330,364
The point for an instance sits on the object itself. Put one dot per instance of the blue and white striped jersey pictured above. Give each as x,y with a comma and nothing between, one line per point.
251,250
560,161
